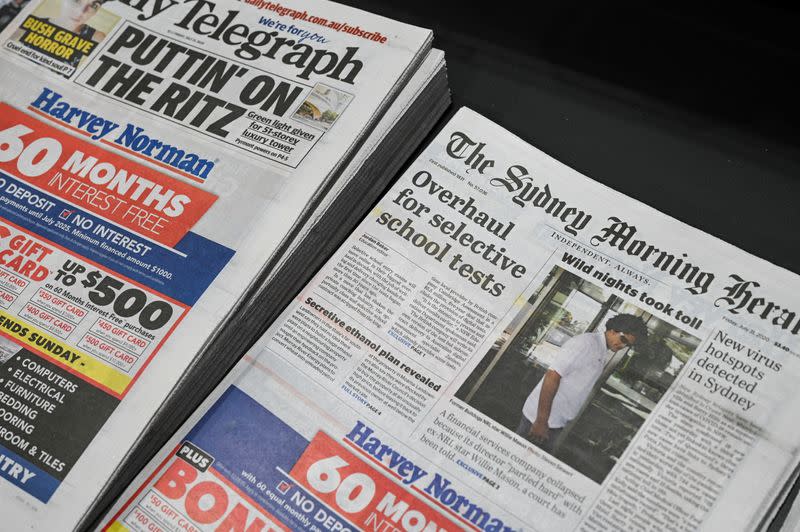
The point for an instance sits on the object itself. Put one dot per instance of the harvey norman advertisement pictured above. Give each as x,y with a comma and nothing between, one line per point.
244,468
92,252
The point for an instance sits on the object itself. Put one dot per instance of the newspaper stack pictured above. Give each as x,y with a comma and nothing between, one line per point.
501,344
168,171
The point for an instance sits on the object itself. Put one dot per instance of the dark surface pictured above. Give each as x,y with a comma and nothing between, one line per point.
690,111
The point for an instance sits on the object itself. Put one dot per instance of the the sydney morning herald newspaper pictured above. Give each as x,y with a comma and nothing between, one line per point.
409,386
153,154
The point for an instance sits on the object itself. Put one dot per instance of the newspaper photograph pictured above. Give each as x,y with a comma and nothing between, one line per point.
502,344
552,337
153,158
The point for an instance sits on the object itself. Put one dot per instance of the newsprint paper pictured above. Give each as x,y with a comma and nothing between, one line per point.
153,156
502,344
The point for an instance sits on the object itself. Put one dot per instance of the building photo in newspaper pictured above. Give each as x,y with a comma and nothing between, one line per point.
591,361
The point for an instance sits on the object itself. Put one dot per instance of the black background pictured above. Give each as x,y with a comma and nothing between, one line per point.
690,109
70,428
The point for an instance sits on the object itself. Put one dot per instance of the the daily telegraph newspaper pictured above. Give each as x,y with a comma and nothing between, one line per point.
153,156
410,385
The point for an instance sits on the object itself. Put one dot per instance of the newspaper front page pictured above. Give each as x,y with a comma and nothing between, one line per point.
502,344
153,155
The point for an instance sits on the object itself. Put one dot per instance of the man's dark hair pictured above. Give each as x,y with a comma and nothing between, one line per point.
628,324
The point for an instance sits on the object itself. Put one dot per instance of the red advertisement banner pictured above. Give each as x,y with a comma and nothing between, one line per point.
129,194
361,494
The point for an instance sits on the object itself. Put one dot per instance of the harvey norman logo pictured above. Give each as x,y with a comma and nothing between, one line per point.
130,138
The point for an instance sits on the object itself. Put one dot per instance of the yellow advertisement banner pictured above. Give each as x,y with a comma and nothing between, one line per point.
76,360
116,526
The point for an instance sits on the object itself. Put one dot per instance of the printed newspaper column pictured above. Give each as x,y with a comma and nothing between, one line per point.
91,246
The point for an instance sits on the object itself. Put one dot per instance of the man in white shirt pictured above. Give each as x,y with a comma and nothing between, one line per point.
560,395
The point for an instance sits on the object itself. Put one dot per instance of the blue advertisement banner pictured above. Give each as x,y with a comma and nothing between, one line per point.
255,450
27,476
182,274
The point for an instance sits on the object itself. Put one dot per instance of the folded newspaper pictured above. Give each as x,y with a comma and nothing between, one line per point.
165,168
502,344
